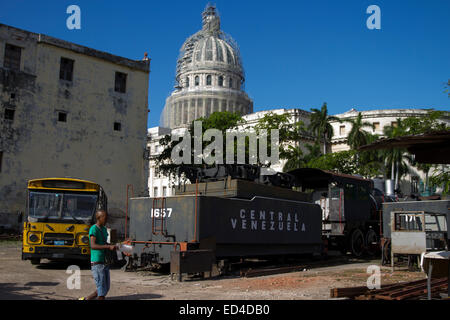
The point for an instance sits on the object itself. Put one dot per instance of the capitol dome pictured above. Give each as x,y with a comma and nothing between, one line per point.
209,77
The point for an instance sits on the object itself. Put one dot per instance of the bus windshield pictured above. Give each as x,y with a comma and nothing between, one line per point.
67,206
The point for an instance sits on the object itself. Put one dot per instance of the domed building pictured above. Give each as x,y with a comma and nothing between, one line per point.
209,77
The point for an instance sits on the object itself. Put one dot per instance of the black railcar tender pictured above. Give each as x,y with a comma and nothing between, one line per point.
233,212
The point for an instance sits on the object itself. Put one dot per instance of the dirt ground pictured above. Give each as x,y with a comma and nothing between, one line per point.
21,280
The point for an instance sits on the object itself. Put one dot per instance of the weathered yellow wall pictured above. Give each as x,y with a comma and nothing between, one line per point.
36,145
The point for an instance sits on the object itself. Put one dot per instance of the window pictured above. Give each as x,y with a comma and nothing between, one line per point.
66,69
121,82
408,221
12,57
208,80
376,126
220,81
155,192
62,116
342,130
117,126
164,191
9,114
394,124
197,81
209,50
230,84
1,158
187,82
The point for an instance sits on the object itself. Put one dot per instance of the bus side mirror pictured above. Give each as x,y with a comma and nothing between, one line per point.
20,217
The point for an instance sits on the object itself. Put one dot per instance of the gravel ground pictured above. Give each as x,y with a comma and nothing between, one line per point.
21,280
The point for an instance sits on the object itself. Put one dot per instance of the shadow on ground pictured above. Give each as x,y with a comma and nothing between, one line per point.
143,296
12,291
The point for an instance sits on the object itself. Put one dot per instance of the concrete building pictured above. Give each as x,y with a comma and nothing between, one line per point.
210,76
69,110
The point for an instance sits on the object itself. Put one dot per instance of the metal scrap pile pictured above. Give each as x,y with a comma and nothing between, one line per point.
415,290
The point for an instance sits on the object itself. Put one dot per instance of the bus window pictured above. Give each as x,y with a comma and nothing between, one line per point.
78,205
45,205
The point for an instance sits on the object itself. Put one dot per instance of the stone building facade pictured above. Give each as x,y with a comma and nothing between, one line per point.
69,111
210,76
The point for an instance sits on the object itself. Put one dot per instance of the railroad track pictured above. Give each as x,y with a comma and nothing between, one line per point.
398,291
300,265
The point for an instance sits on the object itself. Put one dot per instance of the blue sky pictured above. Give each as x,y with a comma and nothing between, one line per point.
296,54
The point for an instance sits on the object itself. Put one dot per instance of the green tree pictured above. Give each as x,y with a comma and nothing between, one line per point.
298,160
357,137
290,135
425,124
340,162
222,121
320,125
441,178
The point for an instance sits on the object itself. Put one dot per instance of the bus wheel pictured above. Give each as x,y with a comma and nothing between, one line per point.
371,242
35,261
357,243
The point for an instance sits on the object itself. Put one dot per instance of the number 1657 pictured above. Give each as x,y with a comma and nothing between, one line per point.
161,212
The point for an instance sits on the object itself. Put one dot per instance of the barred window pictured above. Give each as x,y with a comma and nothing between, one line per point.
120,82
12,57
66,69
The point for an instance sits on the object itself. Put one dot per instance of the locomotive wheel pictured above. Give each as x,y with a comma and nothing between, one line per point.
357,243
35,261
371,242
386,253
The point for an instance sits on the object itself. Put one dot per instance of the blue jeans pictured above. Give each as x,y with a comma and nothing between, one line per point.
101,278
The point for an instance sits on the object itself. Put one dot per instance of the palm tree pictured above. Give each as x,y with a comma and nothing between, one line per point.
320,125
297,160
357,137
395,156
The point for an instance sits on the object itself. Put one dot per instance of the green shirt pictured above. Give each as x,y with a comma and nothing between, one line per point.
100,238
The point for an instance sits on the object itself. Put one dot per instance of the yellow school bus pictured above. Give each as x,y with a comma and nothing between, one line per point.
59,214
